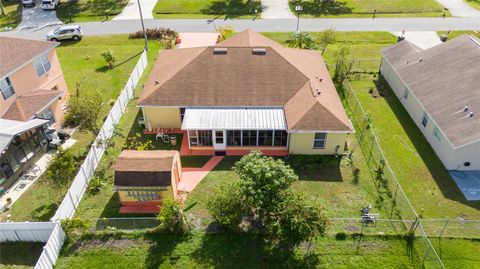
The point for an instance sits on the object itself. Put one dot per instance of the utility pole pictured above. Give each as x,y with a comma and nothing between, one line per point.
298,9
143,25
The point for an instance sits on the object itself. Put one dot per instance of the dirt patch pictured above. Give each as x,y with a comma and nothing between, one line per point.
106,243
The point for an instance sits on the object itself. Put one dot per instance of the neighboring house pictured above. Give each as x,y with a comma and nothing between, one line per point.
440,89
32,94
143,179
245,93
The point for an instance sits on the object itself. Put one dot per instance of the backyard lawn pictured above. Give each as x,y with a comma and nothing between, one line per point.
223,9
235,251
89,10
84,68
19,255
362,8
13,14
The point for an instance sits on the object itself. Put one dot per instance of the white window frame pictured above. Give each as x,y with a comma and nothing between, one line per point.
324,140
437,135
425,118
8,88
42,65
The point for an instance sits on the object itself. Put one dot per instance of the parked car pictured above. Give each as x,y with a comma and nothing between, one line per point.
65,32
28,3
50,4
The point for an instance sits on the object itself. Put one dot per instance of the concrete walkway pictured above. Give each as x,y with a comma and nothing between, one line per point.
459,8
276,9
191,177
131,12
192,40
424,40
36,17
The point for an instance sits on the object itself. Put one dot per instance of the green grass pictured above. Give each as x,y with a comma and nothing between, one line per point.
206,9
474,3
454,34
81,63
234,251
361,8
458,253
89,10
19,255
13,14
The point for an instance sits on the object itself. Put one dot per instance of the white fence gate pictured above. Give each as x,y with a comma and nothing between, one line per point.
79,185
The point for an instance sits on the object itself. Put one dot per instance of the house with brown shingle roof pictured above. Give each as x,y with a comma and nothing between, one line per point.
32,95
439,88
247,92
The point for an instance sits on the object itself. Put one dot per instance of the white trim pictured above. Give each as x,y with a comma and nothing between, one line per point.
318,131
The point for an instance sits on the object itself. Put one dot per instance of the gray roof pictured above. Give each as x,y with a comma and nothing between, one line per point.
444,79
10,128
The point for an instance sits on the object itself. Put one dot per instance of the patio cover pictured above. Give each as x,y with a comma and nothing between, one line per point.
10,128
236,118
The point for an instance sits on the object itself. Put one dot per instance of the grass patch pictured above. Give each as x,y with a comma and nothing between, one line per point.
89,10
360,8
474,3
13,14
224,9
235,251
20,255
458,253
81,63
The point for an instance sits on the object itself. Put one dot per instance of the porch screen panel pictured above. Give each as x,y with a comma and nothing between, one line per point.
234,138
204,138
265,137
280,138
249,138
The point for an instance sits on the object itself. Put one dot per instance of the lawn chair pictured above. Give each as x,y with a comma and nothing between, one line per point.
160,134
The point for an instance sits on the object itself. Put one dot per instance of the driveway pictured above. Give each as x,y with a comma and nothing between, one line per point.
422,39
131,12
276,9
459,8
35,17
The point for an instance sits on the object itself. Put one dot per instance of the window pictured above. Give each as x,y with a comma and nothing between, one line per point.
218,137
405,95
6,88
437,134
234,138
42,64
193,138
204,138
249,138
47,115
265,138
280,138
319,140
425,120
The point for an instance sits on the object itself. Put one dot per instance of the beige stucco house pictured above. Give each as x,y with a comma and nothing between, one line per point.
33,95
245,93
439,87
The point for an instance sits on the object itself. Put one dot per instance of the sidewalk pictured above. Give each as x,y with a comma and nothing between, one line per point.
459,8
131,12
191,177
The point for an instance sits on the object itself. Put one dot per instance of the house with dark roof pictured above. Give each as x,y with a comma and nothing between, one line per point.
247,92
32,94
439,87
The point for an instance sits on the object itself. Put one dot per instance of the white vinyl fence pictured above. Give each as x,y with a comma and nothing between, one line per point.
77,189
26,231
52,249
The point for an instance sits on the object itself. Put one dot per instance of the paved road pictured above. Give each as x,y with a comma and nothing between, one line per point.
271,25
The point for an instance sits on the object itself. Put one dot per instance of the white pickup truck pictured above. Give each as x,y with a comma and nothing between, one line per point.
50,4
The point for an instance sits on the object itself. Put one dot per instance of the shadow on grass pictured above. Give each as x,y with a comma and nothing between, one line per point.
13,18
106,68
233,8
316,167
322,7
44,212
68,10
436,168
20,254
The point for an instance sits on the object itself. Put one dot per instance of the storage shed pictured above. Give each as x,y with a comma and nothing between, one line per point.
143,179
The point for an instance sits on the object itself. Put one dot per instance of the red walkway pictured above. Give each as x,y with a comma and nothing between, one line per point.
192,176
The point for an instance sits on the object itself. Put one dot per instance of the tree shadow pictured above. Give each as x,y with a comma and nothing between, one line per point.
20,254
69,10
106,68
13,18
233,8
316,167
44,212
440,174
248,251
161,249
322,7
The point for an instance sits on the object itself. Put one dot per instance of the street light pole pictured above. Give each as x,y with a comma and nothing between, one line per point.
298,9
143,25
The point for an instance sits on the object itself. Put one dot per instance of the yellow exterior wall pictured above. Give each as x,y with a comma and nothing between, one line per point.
302,143
158,117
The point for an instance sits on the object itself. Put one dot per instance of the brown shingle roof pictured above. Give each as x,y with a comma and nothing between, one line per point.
199,77
445,81
15,52
26,105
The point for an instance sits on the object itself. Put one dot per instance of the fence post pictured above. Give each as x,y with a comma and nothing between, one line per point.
444,227
71,199
414,226
95,154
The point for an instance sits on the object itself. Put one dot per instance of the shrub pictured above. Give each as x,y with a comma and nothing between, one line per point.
95,184
74,225
227,206
83,110
155,34
109,58
62,168
301,40
225,32
341,236
172,218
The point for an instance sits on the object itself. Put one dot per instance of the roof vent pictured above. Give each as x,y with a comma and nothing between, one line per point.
420,60
220,51
465,109
470,114
259,51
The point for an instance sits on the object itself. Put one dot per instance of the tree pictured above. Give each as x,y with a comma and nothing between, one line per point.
109,58
343,65
173,218
2,12
227,206
300,219
263,182
84,109
224,32
301,40
326,38
62,168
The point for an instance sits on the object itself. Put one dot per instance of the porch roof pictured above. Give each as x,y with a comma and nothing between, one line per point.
234,118
10,128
